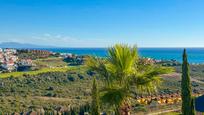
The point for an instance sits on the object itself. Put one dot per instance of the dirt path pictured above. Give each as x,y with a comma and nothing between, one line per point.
178,76
165,111
57,99
198,81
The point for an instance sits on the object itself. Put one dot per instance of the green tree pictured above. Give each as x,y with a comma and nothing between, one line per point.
95,99
121,73
73,111
187,103
193,106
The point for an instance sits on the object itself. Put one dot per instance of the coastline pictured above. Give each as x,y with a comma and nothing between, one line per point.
196,55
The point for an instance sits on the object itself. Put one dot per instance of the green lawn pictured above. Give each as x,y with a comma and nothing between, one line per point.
171,113
50,62
44,65
43,70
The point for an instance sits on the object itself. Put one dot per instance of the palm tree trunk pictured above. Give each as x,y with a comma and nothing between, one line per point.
125,109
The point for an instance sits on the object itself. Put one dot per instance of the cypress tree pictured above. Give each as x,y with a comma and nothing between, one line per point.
192,106
186,95
95,99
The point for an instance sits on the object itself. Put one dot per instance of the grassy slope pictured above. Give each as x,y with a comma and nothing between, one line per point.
196,71
22,93
44,65
44,70
70,86
50,62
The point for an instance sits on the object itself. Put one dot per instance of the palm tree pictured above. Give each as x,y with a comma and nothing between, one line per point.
95,100
122,75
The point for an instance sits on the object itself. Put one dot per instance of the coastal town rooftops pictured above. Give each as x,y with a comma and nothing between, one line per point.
8,58
25,62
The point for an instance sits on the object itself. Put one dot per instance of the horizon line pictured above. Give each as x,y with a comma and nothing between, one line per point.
108,47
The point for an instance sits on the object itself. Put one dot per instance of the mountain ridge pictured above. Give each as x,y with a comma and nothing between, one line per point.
22,45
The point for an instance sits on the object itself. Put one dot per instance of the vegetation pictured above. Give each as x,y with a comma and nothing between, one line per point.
50,62
33,54
42,66
47,91
171,113
196,71
122,76
36,72
186,88
75,60
95,99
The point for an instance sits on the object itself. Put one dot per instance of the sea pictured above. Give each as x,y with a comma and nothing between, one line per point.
195,55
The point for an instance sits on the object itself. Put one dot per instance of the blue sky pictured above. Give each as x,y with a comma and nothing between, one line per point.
102,23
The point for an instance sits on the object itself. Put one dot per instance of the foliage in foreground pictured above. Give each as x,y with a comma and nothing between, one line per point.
95,99
122,75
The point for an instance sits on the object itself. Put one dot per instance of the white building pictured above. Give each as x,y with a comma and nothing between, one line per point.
8,59
25,62
9,65
9,51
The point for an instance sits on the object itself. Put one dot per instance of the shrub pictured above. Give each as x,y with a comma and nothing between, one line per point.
80,76
71,78
50,88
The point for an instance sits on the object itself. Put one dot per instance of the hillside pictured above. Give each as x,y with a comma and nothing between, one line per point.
21,45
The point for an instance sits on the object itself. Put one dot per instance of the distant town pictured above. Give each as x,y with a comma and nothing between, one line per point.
20,59
9,60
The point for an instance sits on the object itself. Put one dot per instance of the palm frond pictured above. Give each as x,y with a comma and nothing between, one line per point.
145,84
154,71
114,96
149,79
121,59
101,67
122,72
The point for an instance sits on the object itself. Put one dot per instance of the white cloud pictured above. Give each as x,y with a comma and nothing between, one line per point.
56,40
60,40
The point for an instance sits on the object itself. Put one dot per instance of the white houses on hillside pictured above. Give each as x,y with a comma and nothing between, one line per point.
8,59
